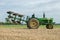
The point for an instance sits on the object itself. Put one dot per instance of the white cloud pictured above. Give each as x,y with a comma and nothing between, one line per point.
25,2
2,3
30,6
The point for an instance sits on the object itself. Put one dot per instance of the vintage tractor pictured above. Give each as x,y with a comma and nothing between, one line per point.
32,22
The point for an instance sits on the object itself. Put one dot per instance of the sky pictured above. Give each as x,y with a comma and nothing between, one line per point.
28,7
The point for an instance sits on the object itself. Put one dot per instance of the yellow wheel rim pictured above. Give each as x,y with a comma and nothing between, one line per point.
33,23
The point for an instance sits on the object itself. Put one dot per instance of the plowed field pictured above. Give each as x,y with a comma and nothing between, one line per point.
29,34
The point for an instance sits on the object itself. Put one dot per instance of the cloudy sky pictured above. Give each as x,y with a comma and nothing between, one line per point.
28,7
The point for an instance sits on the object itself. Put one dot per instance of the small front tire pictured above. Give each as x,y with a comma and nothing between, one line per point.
49,26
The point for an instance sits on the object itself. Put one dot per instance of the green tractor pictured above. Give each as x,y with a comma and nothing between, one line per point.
32,22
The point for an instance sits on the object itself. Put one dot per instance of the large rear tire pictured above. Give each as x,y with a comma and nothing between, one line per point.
33,23
49,26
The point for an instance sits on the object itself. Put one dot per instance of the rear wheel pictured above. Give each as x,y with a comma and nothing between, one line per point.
49,26
33,23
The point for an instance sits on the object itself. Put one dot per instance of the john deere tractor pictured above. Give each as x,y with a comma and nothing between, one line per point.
32,22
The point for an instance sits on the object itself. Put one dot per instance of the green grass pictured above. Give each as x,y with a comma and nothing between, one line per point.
24,26
13,26
56,26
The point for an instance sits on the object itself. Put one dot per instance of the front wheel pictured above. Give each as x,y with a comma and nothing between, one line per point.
33,23
49,26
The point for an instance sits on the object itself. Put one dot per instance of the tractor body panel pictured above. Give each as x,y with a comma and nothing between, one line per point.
44,21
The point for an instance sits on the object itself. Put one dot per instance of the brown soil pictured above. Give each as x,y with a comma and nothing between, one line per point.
29,34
